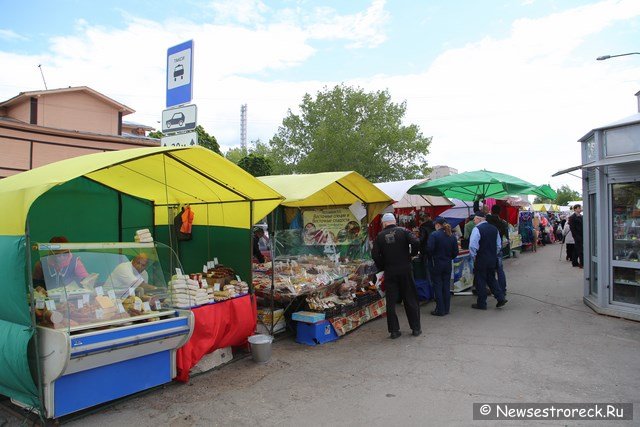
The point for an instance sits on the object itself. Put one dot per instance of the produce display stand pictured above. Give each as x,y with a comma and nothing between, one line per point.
106,197
320,243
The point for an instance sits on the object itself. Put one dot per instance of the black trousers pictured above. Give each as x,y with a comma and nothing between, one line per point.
577,257
402,285
570,251
442,289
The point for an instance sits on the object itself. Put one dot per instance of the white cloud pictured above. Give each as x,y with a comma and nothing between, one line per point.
239,11
363,29
10,35
515,104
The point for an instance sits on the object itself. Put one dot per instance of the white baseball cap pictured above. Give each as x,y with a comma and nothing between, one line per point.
388,217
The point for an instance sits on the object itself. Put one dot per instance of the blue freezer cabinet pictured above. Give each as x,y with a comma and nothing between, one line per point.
96,366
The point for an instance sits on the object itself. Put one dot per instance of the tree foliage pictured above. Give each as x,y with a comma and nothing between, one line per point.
204,139
346,128
565,195
236,154
256,165
207,141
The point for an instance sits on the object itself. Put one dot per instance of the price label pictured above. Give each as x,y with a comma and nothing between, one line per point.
178,272
158,305
85,298
112,294
215,261
99,313
204,268
137,305
120,307
216,287
51,304
145,306
353,295
99,291
132,292
80,304
40,304
238,278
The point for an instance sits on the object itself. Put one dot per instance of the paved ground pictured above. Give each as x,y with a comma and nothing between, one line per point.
544,346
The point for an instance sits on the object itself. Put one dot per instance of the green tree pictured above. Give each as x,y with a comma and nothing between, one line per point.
236,154
346,128
207,141
204,139
256,165
565,194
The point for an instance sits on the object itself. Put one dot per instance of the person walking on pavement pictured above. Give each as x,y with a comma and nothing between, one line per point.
503,230
484,247
443,248
575,225
392,250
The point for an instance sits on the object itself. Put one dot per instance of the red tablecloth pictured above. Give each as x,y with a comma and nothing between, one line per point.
224,324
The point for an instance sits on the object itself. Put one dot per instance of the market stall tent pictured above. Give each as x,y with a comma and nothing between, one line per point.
328,189
102,197
397,190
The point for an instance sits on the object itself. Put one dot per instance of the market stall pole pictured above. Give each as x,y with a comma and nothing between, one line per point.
329,214
134,189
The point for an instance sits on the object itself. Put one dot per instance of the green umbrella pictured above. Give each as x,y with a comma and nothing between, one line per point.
477,185
543,191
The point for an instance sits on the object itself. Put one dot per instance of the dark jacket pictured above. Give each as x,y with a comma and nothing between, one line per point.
442,249
393,248
487,256
575,225
256,249
500,224
426,228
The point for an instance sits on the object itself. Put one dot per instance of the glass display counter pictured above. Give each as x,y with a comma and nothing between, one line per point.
626,242
106,323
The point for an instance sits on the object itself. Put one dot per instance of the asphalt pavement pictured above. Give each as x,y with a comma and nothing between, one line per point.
544,346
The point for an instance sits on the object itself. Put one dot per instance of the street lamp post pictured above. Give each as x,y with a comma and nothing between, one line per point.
602,58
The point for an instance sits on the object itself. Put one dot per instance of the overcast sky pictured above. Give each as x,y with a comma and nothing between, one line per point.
508,86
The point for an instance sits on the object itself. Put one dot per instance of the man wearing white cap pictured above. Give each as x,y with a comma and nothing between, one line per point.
392,251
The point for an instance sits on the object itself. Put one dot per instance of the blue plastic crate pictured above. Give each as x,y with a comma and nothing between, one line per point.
315,333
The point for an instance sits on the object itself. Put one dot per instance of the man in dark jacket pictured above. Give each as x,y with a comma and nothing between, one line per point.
484,246
392,251
575,225
503,229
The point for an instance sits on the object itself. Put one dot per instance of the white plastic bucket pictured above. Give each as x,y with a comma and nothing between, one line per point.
260,347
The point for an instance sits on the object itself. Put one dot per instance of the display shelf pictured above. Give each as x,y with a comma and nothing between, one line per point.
125,321
625,282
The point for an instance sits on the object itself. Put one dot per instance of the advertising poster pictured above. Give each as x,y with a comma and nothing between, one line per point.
330,226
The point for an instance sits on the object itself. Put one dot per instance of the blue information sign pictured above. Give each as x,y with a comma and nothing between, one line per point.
180,74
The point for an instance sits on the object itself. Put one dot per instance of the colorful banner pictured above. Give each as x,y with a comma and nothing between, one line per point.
462,273
334,226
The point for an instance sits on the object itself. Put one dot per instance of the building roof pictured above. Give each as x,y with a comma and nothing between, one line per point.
25,95
137,125
627,121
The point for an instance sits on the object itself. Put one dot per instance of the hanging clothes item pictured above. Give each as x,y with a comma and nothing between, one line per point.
183,223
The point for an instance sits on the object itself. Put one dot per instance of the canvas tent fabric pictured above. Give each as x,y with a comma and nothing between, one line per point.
165,175
328,189
481,184
397,190
145,180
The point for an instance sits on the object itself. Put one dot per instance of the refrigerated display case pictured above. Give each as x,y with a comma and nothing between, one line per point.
626,242
106,322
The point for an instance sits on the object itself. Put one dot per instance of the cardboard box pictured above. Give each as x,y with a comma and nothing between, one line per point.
213,359
264,315
307,316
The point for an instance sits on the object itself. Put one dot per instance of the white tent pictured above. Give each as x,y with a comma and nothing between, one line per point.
459,210
397,190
